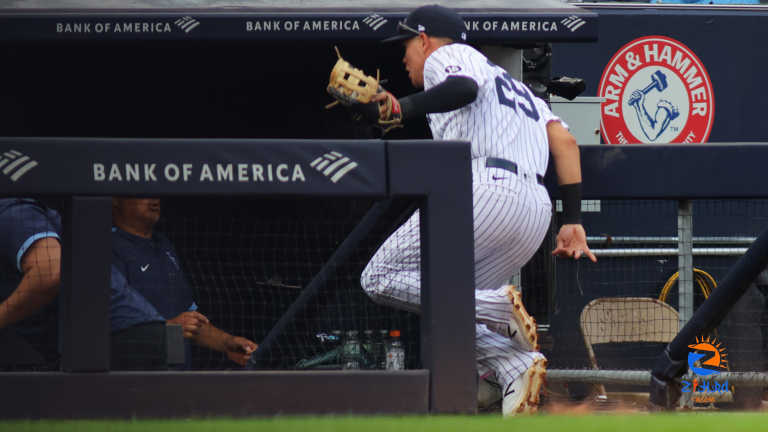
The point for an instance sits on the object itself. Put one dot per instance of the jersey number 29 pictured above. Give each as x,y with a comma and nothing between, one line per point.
510,84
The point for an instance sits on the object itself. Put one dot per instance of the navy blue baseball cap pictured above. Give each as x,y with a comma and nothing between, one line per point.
433,20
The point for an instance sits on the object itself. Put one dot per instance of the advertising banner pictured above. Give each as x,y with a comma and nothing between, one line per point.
191,167
674,76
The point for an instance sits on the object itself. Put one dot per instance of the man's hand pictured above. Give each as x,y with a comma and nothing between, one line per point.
381,99
571,241
191,323
239,349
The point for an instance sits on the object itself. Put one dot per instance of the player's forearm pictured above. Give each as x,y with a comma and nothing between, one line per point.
212,337
565,154
38,287
568,169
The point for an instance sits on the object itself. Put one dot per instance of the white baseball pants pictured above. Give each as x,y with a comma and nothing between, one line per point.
511,217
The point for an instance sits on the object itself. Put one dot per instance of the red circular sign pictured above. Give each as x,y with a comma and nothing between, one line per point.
656,91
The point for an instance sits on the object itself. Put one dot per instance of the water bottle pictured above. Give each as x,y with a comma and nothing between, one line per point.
368,355
382,346
395,354
351,352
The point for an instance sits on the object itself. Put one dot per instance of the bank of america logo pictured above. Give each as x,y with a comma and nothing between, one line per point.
333,163
187,23
573,22
375,21
15,165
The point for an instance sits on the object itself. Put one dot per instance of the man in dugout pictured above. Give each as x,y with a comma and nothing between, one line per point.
146,262
30,262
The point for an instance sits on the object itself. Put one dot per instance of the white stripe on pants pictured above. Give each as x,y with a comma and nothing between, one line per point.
511,217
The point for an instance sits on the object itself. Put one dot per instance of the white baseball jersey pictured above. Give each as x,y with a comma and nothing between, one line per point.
506,120
511,212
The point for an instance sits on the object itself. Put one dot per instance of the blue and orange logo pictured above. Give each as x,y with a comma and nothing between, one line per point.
711,361
709,355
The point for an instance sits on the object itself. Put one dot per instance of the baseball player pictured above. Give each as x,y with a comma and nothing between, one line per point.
512,132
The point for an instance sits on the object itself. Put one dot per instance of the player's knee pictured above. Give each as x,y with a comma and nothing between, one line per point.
370,281
367,280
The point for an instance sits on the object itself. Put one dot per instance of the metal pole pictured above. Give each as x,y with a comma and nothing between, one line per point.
85,268
685,267
370,220
696,240
515,280
643,377
628,252
685,260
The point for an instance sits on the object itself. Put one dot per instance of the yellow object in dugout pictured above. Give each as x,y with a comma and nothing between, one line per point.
705,281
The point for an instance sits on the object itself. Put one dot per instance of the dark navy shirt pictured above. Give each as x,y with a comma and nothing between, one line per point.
22,222
127,307
150,267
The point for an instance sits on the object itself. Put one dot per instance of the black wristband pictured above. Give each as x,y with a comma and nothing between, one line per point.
571,197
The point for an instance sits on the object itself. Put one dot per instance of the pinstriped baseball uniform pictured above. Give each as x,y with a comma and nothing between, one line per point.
511,212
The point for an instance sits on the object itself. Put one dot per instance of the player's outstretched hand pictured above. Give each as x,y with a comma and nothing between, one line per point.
571,241
191,323
239,349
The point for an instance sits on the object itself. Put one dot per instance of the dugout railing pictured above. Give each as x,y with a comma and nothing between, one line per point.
437,173
87,172
665,175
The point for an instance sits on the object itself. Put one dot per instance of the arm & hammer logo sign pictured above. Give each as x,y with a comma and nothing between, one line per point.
657,91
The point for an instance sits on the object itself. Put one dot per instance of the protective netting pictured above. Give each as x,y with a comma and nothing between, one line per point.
248,260
657,262
237,264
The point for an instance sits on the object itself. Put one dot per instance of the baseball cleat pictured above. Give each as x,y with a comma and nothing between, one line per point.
522,327
522,396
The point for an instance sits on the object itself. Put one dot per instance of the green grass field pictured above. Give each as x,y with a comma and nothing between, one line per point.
714,422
